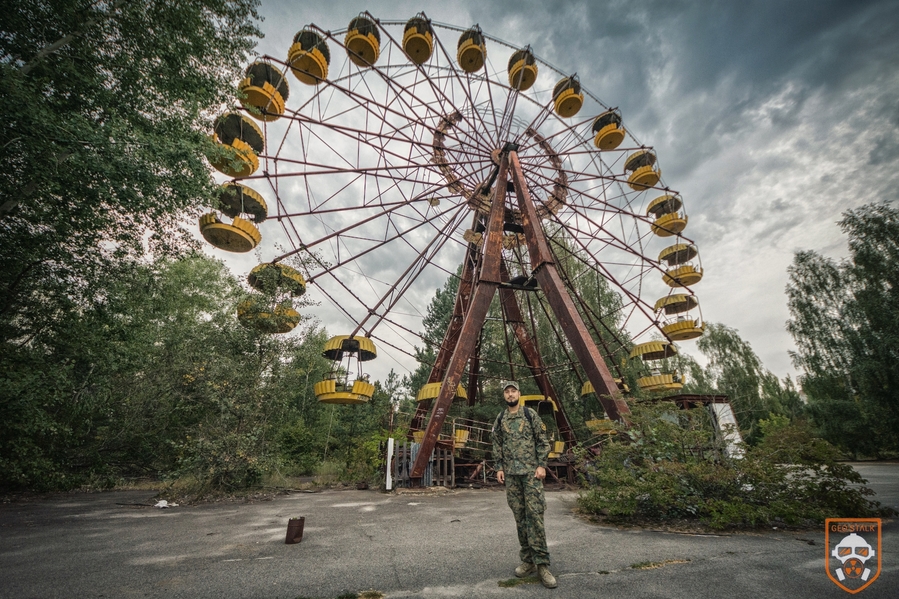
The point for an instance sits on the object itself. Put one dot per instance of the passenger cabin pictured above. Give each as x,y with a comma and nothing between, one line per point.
309,57
264,91
277,279
669,220
642,166
681,271
244,141
363,41
654,379
432,390
607,130
240,236
471,52
235,199
680,326
258,313
418,39
522,69
346,383
567,97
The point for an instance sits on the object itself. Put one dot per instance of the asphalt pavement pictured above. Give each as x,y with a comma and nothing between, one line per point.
460,543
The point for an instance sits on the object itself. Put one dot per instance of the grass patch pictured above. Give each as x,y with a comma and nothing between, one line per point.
655,565
514,582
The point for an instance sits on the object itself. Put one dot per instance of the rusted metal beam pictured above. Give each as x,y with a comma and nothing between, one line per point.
474,371
570,321
484,289
528,347
451,337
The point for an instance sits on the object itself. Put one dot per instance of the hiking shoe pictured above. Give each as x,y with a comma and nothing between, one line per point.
524,569
546,577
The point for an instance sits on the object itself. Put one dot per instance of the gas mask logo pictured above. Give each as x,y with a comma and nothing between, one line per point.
852,560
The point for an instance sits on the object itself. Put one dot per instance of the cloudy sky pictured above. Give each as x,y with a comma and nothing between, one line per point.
771,118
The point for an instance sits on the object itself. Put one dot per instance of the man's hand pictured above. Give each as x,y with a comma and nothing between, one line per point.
540,473
501,477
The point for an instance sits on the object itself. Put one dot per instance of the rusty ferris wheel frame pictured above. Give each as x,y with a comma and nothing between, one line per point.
388,173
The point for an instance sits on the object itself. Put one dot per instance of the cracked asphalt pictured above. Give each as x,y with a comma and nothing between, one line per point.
456,544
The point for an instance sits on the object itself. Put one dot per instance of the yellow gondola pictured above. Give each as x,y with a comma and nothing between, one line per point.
235,199
679,253
418,39
345,383
557,449
668,220
240,134
240,236
607,130
460,437
309,57
676,303
658,381
539,403
567,97
335,392
587,388
264,89
682,276
644,174
471,53
682,328
255,313
653,350
275,277
432,390
363,41
681,272
522,69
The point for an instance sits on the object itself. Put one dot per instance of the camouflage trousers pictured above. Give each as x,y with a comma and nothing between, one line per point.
525,496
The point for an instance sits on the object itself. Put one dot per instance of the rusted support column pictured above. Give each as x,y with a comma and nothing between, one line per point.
474,370
569,319
484,289
532,358
463,299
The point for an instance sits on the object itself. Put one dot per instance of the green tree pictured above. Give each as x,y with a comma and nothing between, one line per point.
735,370
156,379
105,117
844,318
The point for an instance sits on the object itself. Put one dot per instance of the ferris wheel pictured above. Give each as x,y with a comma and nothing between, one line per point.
412,151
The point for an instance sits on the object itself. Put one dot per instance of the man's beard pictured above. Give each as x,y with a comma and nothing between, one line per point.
512,403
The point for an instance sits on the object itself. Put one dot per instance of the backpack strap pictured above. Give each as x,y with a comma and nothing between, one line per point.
527,413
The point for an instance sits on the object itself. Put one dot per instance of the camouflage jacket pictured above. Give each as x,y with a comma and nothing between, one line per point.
519,443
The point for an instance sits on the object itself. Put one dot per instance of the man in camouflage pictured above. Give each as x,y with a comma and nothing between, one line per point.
520,448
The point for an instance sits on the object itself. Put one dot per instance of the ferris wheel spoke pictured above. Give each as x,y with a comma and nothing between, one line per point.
464,86
308,246
405,280
594,263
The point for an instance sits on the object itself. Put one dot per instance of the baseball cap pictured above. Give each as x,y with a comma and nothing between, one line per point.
511,384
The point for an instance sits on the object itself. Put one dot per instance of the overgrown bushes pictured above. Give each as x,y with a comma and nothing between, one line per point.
668,467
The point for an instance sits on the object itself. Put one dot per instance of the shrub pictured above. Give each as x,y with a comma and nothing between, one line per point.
669,466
